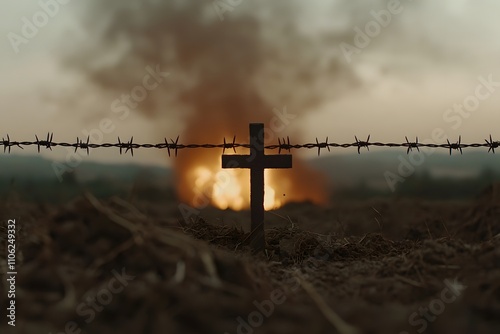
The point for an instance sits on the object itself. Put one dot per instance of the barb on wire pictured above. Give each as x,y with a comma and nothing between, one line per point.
47,143
411,146
324,145
81,145
361,144
130,146
167,146
285,145
173,146
227,145
7,144
456,146
492,145
121,145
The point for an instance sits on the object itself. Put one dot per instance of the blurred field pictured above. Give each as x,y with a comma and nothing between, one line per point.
371,263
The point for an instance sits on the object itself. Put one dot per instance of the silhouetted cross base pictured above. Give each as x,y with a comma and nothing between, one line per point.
257,161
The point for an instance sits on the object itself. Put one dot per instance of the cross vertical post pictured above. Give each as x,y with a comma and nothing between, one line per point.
257,161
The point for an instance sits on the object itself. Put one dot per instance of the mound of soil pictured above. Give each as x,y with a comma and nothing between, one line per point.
107,267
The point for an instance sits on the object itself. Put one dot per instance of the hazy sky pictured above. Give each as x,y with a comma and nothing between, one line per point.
426,60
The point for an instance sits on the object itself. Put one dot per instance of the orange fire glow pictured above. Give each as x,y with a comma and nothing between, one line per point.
228,188
202,181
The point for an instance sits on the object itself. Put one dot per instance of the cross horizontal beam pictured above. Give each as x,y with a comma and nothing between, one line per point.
271,161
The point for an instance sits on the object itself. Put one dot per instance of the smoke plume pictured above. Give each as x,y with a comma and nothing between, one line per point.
224,74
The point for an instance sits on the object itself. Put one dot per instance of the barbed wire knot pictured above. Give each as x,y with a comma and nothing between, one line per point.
284,145
322,145
455,146
130,146
412,145
229,145
8,144
175,145
47,143
83,146
361,144
492,145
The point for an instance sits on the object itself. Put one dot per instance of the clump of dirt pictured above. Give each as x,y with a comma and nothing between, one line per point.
225,236
482,224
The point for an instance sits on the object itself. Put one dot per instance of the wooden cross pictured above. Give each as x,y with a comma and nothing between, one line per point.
257,161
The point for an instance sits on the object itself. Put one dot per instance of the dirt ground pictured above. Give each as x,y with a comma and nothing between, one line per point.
379,266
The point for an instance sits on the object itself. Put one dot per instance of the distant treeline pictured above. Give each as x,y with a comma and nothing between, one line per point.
424,185
420,185
53,191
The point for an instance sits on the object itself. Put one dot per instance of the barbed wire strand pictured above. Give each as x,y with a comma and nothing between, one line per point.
173,146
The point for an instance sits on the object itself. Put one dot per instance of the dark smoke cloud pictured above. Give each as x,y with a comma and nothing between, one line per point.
255,59
228,73
225,74
260,48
